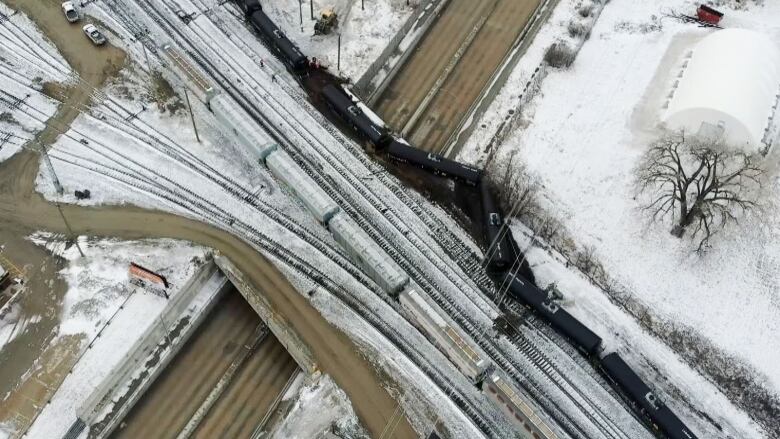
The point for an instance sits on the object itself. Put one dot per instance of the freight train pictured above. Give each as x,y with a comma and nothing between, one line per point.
387,274
618,373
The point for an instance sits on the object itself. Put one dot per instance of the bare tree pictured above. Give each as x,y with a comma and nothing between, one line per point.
698,183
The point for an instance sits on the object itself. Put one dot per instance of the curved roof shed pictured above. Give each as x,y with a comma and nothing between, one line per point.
729,86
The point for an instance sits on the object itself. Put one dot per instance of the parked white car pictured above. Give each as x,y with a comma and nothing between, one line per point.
94,34
70,12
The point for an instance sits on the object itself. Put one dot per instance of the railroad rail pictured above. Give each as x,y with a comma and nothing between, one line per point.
204,63
471,325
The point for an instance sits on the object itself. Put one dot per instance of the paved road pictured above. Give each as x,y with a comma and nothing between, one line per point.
409,87
472,73
251,393
177,393
504,20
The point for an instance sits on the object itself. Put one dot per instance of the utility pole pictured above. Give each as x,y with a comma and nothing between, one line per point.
146,56
195,127
165,328
300,11
311,4
362,5
54,178
60,191
70,231
338,57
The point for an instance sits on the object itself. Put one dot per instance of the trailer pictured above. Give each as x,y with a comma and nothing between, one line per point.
709,15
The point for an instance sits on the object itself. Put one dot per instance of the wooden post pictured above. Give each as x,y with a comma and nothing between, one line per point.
362,5
338,57
300,11
187,97
311,4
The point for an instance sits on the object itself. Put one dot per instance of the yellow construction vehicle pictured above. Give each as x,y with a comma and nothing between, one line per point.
328,20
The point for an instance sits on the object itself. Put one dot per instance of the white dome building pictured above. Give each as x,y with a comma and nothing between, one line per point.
729,86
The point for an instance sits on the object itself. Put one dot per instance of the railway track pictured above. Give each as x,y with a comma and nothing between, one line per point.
451,244
428,368
283,254
470,325
308,160
472,328
154,178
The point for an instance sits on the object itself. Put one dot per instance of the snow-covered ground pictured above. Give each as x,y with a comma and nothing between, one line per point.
581,138
100,300
320,407
21,45
364,32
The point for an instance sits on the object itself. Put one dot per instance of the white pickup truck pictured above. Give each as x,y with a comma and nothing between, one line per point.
70,12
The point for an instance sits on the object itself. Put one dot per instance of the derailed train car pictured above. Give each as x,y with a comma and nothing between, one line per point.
249,6
497,235
648,404
403,153
343,105
580,335
288,52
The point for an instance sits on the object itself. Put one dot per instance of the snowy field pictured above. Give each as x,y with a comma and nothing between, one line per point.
28,75
101,301
364,32
582,137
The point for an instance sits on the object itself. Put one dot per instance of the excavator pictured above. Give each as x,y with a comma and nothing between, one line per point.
328,21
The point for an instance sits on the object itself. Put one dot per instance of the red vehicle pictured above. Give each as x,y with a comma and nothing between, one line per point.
709,15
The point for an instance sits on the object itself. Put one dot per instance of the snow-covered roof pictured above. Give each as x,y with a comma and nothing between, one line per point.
729,84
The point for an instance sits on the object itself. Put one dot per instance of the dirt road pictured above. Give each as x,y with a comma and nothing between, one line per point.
44,289
23,212
504,21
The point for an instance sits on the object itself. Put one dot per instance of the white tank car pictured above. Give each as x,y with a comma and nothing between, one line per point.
458,348
514,405
367,254
248,132
316,200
